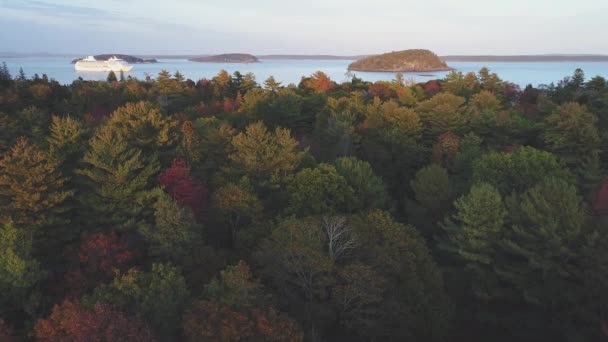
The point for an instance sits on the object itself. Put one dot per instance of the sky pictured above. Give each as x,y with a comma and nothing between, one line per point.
339,27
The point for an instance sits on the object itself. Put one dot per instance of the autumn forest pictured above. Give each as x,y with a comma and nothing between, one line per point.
236,209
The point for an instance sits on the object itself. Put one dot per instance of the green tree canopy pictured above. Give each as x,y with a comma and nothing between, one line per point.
118,178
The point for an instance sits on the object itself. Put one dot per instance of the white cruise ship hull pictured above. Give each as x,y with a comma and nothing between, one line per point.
91,65
102,68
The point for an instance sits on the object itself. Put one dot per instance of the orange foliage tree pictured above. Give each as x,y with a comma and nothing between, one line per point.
72,322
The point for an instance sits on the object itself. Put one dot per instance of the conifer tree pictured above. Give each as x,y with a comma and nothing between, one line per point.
145,128
32,191
111,77
174,230
118,178
19,271
66,141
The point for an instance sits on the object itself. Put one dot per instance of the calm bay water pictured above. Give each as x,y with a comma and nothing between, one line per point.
291,71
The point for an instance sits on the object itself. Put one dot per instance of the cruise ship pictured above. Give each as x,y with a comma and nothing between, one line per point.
112,64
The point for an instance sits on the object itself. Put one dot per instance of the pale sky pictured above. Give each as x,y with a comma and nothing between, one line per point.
341,27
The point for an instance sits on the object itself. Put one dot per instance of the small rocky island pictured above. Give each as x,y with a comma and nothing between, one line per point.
227,58
401,61
127,58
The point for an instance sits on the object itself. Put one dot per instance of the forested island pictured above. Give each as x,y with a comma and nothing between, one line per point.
227,58
236,209
415,60
127,58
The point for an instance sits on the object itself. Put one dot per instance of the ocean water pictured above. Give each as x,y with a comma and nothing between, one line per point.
291,71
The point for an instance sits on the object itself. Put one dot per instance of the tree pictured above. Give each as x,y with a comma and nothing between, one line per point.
236,308
414,305
183,188
545,246
33,194
66,140
118,178
5,76
484,102
432,194
272,84
98,258
572,134
145,127
21,76
441,113
6,333
320,82
210,321
474,235
432,187
263,154
19,271
319,191
159,296
369,190
390,116
111,77
175,229
236,206
519,170
445,149
236,287
71,322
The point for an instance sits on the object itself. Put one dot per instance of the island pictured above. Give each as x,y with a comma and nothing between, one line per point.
227,58
415,60
127,58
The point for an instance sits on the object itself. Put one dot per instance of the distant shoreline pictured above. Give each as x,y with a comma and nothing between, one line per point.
447,58
527,58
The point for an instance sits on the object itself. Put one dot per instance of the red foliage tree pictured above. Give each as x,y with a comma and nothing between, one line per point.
184,189
379,90
6,333
600,206
72,322
321,83
211,321
431,88
228,105
445,149
99,256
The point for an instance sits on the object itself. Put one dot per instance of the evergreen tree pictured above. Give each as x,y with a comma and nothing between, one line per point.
111,77
174,231
474,234
262,154
118,178
319,191
32,191
146,128
160,295
5,76
66,141
21,76
19,271
369,190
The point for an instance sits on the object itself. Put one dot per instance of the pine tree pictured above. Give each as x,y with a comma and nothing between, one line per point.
111,77
174,230
474,234
19,271
32,191
21,76
66,141
118,178
145,128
